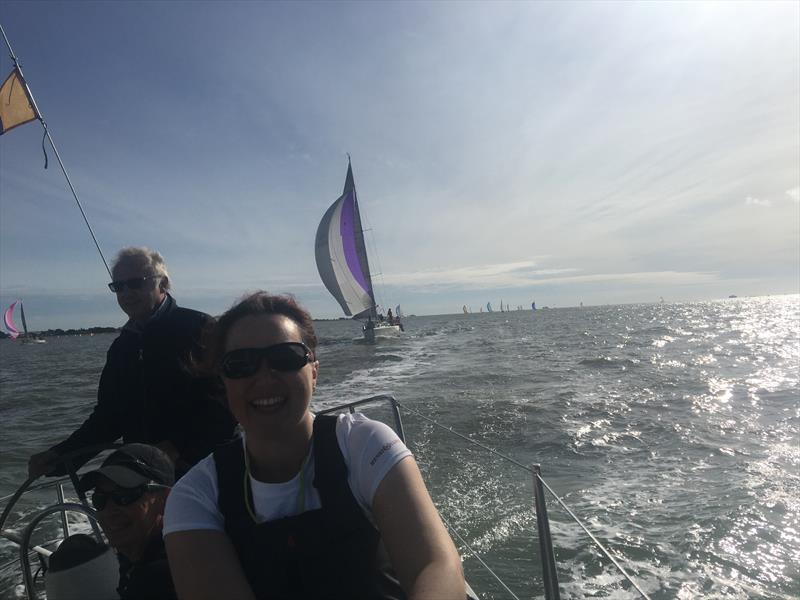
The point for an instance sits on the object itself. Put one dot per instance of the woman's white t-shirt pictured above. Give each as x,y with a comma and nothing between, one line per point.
370,449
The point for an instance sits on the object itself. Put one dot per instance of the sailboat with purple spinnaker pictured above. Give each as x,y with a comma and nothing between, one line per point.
343,264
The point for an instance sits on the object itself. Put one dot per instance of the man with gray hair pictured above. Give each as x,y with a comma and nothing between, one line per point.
146,393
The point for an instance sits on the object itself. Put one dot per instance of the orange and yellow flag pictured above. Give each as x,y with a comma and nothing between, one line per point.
15,106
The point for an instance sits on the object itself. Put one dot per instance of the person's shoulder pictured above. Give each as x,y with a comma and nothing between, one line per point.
347,422
357,420
201,475
370,449
180,323
189,315
193,502
359,429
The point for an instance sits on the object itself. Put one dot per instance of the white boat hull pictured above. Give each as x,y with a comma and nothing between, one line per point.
381,330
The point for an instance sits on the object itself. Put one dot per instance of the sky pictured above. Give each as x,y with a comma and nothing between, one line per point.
570,152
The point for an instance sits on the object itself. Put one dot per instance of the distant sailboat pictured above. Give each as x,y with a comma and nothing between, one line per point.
533,305
501,306
341,257
13,332
489,307
464,308
397,312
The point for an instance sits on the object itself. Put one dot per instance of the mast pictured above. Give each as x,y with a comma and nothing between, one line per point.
24,324
360,245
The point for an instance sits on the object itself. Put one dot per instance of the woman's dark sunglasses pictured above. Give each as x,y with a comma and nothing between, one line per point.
122,496
285,357
136,283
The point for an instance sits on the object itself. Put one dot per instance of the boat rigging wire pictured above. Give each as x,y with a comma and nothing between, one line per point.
549,489
478,558
378,290
53,146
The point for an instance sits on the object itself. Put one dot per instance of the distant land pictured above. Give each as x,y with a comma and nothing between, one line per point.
93,330
58,332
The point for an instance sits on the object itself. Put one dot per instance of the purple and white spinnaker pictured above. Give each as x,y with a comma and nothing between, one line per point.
9,323
342,255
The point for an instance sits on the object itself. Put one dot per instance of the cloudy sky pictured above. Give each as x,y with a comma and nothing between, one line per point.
558,152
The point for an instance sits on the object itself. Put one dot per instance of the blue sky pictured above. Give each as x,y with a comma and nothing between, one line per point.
563,152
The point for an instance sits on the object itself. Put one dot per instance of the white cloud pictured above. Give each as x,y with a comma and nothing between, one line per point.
750,201
794,194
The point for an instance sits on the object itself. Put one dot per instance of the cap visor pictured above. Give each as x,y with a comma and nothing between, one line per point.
122,476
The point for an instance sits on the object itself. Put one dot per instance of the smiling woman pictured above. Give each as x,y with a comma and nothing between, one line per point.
339,498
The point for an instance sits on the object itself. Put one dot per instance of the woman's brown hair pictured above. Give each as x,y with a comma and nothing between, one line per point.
257,303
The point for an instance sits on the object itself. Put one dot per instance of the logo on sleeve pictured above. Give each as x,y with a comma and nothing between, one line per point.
382,451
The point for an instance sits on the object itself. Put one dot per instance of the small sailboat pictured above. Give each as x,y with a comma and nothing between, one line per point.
13,332
533,305
489,307
343,265
464,309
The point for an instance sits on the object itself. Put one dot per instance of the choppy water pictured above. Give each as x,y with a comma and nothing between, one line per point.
672,430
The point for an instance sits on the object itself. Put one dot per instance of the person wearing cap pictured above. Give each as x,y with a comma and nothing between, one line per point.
146,392
130,493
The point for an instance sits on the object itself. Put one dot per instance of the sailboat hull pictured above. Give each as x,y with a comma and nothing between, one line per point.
381,330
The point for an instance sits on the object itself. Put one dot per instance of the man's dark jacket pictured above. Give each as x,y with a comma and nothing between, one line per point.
149,578
148,394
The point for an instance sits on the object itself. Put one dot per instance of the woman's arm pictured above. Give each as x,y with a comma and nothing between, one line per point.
204,566
422,553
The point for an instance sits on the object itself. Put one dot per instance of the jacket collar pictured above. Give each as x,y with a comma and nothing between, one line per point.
167,306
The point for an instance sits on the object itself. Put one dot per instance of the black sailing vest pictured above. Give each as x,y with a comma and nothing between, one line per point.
330,553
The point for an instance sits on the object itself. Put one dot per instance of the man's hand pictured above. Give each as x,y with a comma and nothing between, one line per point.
42,463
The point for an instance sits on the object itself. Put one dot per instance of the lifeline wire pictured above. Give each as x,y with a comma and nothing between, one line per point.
479,559
549,489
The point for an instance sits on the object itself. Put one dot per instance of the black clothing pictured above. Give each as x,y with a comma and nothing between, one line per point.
148,578
147,394
333,552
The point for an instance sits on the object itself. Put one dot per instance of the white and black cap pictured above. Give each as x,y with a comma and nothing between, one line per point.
131,466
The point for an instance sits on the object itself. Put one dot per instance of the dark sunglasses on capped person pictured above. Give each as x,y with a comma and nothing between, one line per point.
123,496
135,283
285,357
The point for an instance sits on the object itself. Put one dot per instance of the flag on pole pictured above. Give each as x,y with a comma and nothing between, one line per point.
16,107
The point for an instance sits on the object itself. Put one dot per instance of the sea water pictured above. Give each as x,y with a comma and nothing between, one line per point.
671,430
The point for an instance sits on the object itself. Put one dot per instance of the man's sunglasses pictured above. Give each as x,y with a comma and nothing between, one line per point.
122,496
285,357
135,283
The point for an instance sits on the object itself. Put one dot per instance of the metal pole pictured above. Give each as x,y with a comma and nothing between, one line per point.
73,476
549,574
64,522
55,150
26,540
